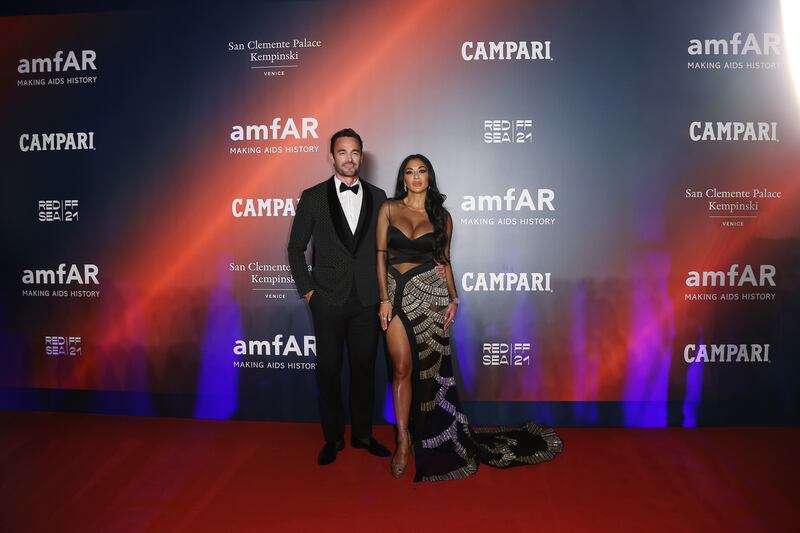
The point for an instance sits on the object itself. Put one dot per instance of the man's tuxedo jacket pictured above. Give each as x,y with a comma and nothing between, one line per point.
340,259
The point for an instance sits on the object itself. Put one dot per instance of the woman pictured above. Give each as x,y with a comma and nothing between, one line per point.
417,308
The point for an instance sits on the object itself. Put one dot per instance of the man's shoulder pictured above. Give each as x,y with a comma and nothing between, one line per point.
317,189
321,188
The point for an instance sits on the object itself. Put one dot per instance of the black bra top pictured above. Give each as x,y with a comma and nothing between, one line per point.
403,249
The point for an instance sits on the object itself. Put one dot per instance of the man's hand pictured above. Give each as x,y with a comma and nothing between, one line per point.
308,295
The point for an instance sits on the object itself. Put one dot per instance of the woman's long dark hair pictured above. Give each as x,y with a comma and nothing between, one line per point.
434,206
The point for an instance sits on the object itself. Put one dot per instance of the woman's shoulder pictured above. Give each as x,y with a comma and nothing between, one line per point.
385,209
390,203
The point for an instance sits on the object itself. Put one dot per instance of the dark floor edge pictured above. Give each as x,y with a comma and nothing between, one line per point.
557,414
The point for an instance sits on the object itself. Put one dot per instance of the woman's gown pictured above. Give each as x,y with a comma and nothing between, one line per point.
444,444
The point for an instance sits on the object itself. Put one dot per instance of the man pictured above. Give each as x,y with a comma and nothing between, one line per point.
341,291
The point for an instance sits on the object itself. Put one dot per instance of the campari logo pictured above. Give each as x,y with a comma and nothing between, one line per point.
289,132
506,353
734,131
67,346
69,62
46,142
287,350
726,353
506,281
506,51
263,207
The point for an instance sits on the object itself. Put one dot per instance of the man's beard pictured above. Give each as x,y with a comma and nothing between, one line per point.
347,173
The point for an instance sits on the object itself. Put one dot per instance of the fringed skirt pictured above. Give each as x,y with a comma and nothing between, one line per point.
445,446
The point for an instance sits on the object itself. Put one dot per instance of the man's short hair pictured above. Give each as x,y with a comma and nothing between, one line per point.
347,132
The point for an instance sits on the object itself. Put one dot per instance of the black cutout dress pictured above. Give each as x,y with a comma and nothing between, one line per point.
445,446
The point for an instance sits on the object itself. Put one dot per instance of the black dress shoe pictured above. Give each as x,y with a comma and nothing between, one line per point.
372,446
328,453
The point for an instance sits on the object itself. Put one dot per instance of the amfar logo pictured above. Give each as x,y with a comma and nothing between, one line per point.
79,274
280,129
760,45
725,353
511,201
506,281
58,210
42,142
70,346
505,50
506,354
733,278
277,346
59,63
503,131
733,131
263,207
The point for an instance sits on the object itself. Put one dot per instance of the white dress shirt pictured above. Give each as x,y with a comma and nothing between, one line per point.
350,202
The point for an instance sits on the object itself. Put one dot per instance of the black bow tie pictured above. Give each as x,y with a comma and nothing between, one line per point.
352,188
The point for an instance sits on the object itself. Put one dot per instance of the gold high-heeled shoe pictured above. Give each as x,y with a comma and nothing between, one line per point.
399,469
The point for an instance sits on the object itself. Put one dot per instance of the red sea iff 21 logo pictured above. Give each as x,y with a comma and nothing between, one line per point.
503,131
69,346
506,354
58,210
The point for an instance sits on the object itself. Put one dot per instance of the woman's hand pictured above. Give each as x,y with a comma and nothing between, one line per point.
441,271
385,314
450,315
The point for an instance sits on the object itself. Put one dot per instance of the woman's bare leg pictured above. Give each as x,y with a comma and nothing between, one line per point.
400,354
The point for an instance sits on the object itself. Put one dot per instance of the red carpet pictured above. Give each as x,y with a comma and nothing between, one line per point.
76,472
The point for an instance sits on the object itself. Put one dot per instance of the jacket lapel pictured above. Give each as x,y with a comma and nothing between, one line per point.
337,216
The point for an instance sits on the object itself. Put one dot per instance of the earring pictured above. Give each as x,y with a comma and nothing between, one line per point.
405,187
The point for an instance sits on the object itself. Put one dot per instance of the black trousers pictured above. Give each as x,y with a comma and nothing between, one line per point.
357,326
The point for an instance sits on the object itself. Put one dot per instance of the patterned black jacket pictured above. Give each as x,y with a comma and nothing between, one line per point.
339,258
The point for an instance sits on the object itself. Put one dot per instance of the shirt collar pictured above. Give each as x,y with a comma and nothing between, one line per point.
337,181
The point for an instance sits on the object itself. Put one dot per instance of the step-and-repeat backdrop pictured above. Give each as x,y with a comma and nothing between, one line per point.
623,179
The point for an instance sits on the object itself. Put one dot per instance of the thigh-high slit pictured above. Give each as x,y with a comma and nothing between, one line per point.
445,446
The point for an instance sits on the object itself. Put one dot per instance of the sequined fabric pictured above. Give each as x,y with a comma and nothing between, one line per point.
445,446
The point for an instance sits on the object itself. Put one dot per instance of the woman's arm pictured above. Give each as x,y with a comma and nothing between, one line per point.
382,253
450,313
